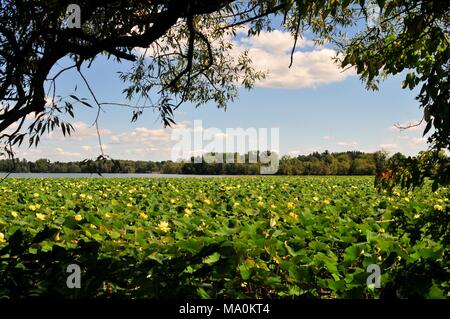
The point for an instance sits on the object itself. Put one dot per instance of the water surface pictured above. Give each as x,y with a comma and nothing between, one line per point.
119,175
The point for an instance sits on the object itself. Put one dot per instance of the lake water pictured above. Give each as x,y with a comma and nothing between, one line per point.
83,175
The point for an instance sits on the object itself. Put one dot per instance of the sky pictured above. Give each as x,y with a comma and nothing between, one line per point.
312,106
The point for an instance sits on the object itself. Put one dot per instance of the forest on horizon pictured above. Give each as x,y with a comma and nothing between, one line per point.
325,163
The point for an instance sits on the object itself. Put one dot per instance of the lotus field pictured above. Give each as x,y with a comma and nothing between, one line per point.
242,237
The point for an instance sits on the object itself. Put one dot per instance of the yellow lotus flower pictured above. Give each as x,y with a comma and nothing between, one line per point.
417,216
290,205
40,216
14,214
187,212
207,202
438,207
78,217
129,205
2,238
296,199
315,198
164,226
260,198
172,201
326,202
82,196
260,204
189,205
143,215
32,207
108,215
273,222
293,215
273,206
35,195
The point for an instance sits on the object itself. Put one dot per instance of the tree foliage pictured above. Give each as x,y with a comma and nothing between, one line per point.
179,51
326,163
410,172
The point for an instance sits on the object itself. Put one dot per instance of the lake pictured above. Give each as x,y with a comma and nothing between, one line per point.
87,175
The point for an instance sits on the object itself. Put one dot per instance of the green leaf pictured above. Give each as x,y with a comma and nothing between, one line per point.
245,272
114,234
202,293
91,218
351,253
436,293
211,259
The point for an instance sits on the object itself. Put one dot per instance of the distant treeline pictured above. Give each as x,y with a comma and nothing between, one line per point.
326,163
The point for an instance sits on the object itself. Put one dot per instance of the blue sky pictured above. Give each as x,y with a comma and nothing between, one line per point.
314,105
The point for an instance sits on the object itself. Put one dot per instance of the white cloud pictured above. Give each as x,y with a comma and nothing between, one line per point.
275,41
418,140
146,143
59,152
306,151
295,153
407,141
347,144
271,52
149,137
137,151
389,146
413,144
82,131
328,137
